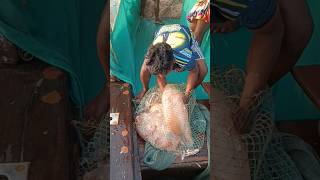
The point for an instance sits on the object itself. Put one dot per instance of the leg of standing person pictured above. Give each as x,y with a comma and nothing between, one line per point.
193,25
200,29
298,31
262,57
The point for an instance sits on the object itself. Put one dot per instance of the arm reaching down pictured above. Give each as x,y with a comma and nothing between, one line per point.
145,78
192,81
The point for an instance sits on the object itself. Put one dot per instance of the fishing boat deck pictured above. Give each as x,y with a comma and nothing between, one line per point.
127,148
36,116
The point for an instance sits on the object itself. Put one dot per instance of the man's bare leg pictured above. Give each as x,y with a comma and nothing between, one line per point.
200,29
298,31
262,57
193,25
157,12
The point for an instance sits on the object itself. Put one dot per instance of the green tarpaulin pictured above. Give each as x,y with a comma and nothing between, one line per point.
131,37
61,33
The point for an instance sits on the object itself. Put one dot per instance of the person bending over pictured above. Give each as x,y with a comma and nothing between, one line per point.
173,49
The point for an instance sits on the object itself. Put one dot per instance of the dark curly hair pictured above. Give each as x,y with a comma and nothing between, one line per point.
159,58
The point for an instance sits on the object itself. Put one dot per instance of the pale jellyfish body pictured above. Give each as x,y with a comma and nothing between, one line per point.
165,124
176,113
151,127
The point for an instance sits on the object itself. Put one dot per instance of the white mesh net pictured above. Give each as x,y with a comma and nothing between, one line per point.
168,124
95,141
257,154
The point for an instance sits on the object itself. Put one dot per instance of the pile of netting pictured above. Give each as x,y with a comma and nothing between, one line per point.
95,145
259,154
167,123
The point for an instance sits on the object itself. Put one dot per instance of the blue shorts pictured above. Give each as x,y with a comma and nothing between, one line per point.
252,14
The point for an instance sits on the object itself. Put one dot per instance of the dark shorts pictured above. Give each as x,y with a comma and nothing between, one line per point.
252,14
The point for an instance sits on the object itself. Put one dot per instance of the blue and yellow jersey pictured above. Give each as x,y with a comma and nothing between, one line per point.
185,49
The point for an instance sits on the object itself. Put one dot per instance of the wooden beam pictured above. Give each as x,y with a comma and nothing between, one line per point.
124,163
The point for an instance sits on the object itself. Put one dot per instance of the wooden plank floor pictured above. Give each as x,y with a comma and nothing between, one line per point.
35,122
124,163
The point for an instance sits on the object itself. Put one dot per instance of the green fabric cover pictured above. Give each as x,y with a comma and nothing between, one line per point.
130,39
291,103
61,33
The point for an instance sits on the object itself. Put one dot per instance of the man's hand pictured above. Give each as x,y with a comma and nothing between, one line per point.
141,94
186,97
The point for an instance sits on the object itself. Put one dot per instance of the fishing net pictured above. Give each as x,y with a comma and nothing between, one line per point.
95,144
257,154
167,9
163,120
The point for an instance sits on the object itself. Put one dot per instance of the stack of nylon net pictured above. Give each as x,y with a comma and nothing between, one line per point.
258,154
95,144
167,123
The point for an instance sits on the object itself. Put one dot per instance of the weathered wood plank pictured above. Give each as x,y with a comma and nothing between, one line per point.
123,151
35,120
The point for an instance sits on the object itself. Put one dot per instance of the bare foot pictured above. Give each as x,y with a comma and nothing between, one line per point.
225,27
158,21
97,107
